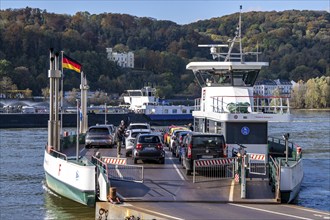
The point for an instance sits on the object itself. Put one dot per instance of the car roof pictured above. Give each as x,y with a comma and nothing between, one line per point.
139,124
179,130
99,126
140,130
149,134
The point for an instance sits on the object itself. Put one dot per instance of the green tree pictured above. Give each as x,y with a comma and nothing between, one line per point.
5,68
6,86
298,95
312,96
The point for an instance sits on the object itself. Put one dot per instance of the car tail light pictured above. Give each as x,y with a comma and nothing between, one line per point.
189,151
139,146
159,146
180,139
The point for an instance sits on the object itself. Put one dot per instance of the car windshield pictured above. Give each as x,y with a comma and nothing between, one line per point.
98,131
134,134
207,140
149,139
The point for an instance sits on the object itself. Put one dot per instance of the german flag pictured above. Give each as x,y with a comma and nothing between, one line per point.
69,63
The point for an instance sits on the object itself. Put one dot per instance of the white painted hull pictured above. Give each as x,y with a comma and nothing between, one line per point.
291,178
70,179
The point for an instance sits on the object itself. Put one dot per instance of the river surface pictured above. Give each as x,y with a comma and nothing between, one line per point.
23,194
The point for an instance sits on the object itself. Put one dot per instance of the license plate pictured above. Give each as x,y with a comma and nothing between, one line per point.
207,156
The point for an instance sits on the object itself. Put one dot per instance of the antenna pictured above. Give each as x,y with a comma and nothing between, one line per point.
215,49
240,32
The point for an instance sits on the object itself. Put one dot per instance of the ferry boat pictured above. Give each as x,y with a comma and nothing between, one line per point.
228,106
144,101
68,173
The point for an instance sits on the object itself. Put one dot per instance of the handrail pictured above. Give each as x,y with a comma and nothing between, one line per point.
278,177
249,96
99,162
247,104
59,153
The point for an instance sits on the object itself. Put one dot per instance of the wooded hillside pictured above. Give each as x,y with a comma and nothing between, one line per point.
296,43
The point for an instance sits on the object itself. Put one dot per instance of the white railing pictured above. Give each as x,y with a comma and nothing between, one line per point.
197,104
206,170
256,104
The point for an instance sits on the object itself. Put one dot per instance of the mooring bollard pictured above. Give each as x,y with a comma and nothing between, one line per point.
113,193
112,197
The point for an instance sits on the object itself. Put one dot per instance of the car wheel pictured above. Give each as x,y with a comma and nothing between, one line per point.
135,160
162,161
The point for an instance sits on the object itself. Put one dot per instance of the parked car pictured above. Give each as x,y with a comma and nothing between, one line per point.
202,146
173,141
99,135
148,147
178,143
170,132
130,138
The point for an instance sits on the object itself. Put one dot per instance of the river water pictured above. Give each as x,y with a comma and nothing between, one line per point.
23,194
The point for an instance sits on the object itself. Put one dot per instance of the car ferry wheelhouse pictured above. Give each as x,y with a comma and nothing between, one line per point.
228,106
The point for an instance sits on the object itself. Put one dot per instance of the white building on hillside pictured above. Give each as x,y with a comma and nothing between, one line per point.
122,59
267,87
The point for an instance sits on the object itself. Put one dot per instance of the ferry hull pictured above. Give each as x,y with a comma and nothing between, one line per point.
74,180
291,195
291,178
70,192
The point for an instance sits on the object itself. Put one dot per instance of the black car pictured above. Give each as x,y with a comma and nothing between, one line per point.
148,147
99,135
202,146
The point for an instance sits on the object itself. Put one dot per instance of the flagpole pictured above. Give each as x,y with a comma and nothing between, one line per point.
78,125
62,93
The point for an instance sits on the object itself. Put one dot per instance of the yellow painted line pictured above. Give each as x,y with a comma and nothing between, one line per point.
231,192
268,211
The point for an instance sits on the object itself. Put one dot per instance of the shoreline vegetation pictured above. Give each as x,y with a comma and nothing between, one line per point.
296,44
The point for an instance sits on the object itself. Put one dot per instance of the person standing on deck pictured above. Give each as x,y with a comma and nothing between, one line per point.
120,133
190,127
123,127
119,138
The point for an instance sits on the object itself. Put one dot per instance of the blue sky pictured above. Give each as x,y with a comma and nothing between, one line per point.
181,12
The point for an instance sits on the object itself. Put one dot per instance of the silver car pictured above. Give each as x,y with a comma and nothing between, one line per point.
99,136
